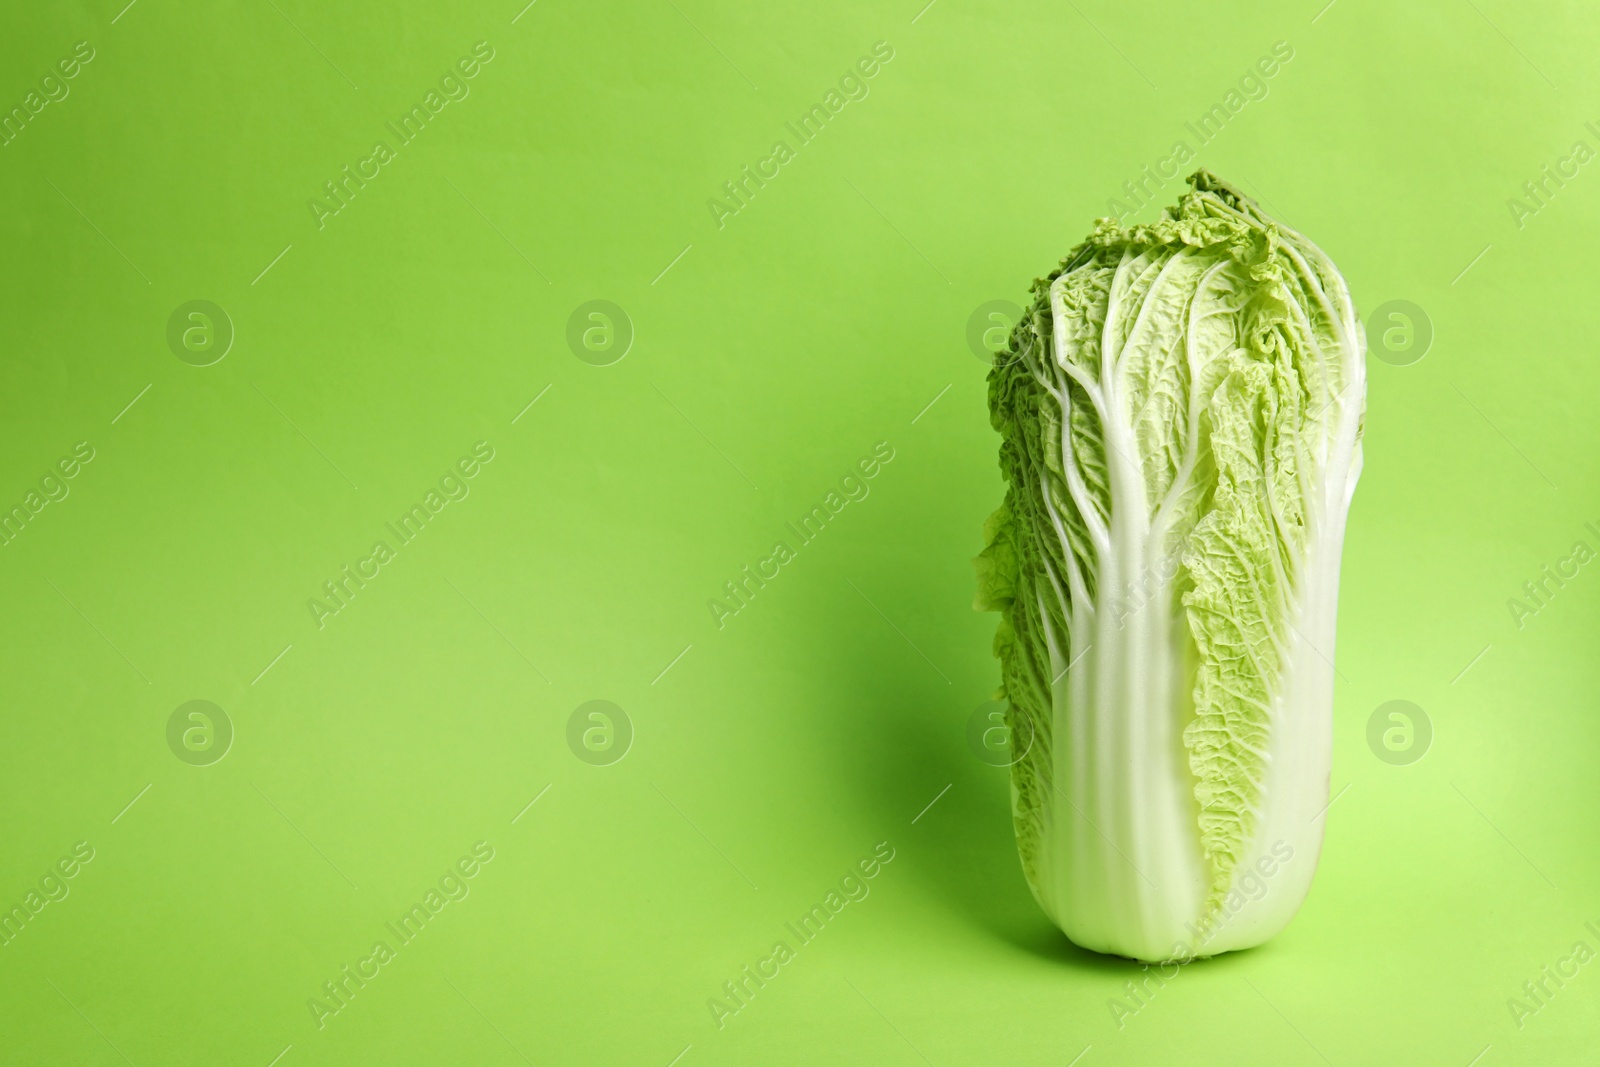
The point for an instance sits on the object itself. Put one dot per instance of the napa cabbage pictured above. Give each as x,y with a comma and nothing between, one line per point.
1180,412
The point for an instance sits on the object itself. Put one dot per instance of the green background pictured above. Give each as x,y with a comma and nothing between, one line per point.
769,356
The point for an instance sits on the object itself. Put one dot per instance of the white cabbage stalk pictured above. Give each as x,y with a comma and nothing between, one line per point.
1181,415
